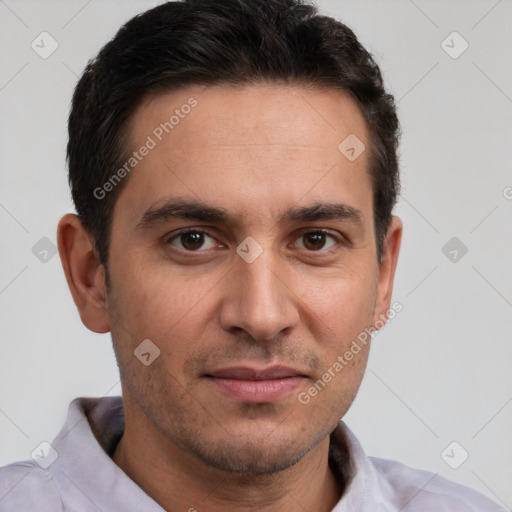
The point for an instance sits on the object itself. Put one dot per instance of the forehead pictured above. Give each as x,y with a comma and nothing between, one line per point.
282,114
258,145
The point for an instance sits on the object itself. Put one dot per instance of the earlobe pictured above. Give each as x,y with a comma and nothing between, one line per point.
387,269
85,274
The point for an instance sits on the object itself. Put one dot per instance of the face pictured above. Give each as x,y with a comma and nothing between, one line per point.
243,247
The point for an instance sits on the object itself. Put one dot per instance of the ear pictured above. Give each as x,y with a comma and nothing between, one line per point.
84,273
387,268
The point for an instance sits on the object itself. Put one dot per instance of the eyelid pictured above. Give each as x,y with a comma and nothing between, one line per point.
336,235
170,237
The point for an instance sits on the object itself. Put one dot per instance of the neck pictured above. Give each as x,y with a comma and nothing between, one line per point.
177,480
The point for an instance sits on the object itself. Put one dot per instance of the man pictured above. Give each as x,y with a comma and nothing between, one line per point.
234,168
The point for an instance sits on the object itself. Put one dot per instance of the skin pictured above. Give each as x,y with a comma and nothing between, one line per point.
254,151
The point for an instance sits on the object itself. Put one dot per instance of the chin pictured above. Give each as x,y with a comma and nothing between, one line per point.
246,457
251,450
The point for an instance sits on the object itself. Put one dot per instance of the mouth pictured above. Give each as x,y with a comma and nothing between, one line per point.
256,385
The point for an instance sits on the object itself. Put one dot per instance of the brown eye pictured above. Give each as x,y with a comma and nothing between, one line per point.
316,240
193,240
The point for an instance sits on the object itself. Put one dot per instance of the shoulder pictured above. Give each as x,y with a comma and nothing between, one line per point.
416,490
26,486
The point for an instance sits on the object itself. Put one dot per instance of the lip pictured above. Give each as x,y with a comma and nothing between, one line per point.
256,385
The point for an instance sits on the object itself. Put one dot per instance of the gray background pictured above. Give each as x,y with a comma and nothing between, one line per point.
438,373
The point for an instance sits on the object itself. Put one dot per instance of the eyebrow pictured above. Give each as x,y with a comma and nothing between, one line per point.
188,209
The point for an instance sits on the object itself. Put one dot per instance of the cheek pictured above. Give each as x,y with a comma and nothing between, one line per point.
342,302
160,303
142,286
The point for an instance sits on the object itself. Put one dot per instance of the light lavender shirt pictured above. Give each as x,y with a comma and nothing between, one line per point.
76,474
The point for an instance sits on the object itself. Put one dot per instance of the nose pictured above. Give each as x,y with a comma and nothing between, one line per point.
259,300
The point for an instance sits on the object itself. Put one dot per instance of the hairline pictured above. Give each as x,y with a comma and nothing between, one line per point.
126,130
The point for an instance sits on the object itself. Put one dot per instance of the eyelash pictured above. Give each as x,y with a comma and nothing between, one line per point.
338,239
